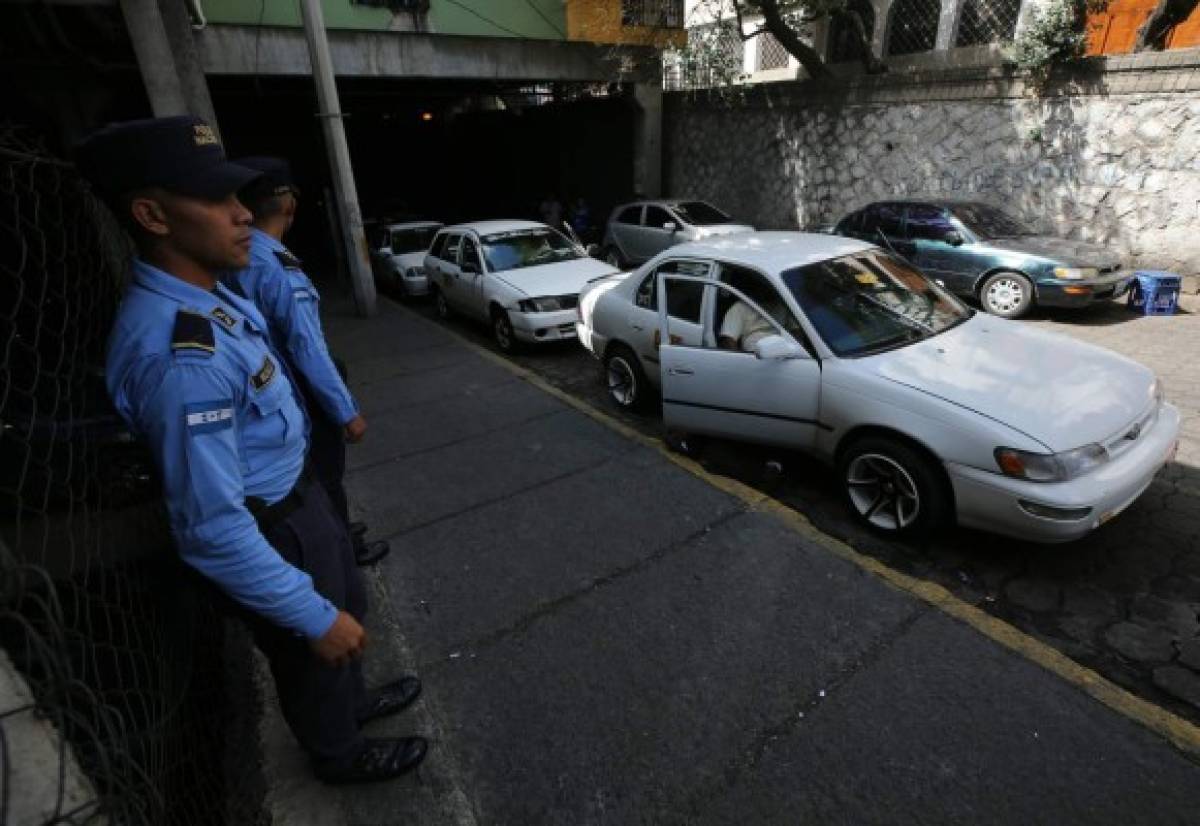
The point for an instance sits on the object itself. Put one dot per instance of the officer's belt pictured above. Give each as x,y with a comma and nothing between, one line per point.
269,515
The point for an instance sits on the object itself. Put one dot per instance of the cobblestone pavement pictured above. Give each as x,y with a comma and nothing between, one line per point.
1124,601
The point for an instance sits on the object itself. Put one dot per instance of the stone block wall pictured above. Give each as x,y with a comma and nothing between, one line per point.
1109,152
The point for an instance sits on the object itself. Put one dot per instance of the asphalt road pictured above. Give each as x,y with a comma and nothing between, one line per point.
1123,601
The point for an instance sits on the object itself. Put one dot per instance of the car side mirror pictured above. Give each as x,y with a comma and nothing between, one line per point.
778,348
671,226
953,238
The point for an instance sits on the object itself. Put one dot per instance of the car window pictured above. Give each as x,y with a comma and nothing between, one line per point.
759,290
988,222
630,215
684,298
869,302
927,222
657,216
700,214
438,247
469,251
852,223
450,251
411,239
882,218
528,248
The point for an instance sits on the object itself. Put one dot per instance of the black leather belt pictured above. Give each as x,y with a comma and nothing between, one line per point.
269,515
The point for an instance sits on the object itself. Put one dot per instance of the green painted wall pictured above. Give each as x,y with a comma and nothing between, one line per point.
541,19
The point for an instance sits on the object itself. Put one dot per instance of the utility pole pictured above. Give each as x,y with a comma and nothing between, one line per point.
149,38
339,158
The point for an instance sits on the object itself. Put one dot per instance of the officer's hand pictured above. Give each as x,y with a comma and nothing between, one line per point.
355,429
344,641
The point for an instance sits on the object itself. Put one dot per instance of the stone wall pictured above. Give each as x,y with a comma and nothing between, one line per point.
1109,152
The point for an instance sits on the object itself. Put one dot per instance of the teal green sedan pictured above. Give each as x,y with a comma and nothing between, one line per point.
979,251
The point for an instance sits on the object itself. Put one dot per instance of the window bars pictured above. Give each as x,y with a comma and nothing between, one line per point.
843,40
665,14
987,21
770,53
912,26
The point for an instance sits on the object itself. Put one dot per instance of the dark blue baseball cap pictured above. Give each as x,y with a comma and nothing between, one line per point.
276,178
180,154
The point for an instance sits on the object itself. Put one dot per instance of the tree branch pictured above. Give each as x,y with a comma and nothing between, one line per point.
1166,15
774,22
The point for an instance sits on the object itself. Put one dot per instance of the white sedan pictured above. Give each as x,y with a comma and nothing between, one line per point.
927,409
521,277
398,256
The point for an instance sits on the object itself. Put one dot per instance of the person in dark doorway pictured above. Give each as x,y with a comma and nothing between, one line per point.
191,369
581,219
286,297
551,211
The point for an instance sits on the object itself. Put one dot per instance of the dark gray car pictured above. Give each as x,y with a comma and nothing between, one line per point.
979,251
638,231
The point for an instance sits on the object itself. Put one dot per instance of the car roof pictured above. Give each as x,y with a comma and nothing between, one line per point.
492,227
664,202
414,224
934,200
770,251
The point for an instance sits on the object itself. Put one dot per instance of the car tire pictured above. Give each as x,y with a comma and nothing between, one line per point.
1006,294
894,488
612,257
442,305
628,388
502,331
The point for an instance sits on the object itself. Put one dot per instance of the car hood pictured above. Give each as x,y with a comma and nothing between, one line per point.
721,229
1059,391
1059,250
561,278
410,259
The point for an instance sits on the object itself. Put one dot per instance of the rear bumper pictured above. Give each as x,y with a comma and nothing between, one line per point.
993,502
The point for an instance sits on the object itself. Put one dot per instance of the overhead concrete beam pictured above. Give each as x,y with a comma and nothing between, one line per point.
246,50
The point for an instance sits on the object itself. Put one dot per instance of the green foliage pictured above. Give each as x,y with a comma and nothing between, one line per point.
1057,34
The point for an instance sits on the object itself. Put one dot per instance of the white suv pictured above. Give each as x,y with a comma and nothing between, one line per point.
521,277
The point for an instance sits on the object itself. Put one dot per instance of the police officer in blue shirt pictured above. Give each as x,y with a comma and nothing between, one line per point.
191,370
278,286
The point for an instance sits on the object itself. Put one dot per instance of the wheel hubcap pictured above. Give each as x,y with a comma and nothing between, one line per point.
1005,295
622,385
503,337
442,309
882,492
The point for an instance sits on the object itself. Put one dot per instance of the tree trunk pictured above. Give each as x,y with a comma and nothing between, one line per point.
1166,16
788,38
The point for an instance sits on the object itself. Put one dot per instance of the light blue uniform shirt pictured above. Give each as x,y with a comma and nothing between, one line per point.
206,393
289,302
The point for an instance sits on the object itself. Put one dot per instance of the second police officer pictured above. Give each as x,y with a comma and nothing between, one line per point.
191,369
286,297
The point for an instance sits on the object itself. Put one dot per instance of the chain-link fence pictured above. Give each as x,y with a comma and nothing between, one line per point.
770,53
987,21
912,26
112,660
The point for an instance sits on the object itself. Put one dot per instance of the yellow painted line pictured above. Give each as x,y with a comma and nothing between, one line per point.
1179,732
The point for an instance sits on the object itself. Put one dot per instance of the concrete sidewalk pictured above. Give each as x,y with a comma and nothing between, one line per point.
605,637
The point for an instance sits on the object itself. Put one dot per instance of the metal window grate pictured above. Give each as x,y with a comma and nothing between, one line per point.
912,26
987,21
666,14
843,43
713,57
770,53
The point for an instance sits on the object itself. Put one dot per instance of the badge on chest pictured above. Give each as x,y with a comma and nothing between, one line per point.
265,374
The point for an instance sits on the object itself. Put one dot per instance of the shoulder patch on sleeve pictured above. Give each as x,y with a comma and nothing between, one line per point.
289,261
193,333
208,417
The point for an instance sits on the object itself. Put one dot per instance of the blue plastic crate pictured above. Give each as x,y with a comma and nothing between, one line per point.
1154,292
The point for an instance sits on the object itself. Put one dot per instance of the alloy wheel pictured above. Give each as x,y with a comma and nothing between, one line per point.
882,492
1005,295
622,383
503,331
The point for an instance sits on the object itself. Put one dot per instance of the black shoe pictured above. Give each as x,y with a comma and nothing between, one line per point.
391,698
368,553
378,759
358,529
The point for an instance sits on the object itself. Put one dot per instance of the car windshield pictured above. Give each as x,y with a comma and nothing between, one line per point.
527,248
413,239
871,302
989,222
699,214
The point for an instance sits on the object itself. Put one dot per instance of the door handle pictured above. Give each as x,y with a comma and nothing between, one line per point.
681,371
637,327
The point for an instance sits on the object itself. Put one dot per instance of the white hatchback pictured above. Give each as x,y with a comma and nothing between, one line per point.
927,409
521,277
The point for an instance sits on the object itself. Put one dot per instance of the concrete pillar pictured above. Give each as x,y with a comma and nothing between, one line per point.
878,37
178,25
153,50
948,24
647,139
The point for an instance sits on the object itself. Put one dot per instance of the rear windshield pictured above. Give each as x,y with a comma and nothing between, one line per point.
989,222
699,214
